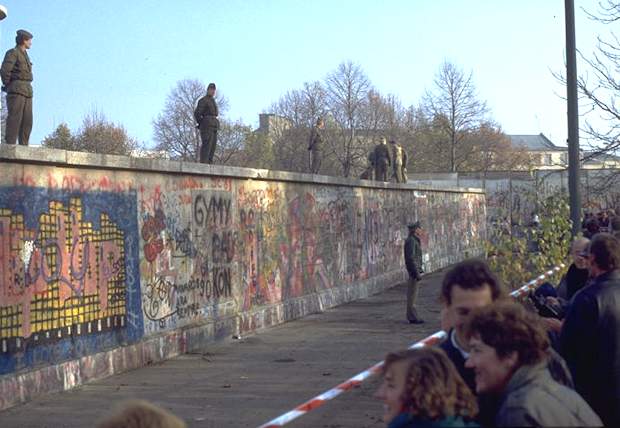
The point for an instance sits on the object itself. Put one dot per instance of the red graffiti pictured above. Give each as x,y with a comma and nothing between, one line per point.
151,233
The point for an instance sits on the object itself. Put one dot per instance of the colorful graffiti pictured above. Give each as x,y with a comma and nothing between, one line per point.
189,248
64,270
87,263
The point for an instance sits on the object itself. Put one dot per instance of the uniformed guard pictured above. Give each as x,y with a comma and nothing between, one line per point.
413,262
206,114
399,162
316,146
382,161
16,73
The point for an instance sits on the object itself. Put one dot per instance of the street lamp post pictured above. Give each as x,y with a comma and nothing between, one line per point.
3,14
573,118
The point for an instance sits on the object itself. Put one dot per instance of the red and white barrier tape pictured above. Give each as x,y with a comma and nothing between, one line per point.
535,283
356,380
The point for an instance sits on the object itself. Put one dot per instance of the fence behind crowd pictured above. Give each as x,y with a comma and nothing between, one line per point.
356,380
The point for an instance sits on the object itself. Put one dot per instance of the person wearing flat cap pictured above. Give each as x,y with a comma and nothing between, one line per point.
413,262
206,116
16,73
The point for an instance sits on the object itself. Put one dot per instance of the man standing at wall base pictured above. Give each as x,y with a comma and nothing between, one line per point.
206,114
413,262
16,73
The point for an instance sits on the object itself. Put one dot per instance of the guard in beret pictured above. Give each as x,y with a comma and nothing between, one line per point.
206,116
413,262
16,73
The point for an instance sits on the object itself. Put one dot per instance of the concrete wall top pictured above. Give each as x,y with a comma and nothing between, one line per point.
42,155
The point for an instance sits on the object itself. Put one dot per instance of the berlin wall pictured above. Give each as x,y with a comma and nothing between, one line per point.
108,263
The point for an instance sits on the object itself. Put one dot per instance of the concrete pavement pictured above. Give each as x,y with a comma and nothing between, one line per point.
244,383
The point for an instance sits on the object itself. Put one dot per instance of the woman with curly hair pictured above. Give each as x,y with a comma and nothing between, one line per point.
509,349
421,388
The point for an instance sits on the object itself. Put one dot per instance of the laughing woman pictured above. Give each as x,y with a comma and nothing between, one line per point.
421,388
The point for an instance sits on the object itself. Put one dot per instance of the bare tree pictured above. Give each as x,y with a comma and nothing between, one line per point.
347,90
174,128
454,98
297,111
99,135
600,91
492,150
231,141
96,135
61,138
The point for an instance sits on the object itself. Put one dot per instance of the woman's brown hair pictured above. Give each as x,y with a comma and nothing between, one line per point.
434,389
508,327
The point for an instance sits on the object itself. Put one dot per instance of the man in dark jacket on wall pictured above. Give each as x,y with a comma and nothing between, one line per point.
382,160
413,261
316,146
590,338
206,114
16,72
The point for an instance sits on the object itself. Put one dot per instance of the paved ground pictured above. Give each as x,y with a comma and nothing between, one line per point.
244,383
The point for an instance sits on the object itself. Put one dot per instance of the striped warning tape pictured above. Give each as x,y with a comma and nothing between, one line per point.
356,380
535,283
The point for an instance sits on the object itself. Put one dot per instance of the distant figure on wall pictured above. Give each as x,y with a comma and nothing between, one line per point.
16,73
206,114
399,162
382,160
315,146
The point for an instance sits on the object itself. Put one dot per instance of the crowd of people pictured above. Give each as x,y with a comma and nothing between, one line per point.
551,360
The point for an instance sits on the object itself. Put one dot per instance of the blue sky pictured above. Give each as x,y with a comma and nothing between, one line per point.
123,57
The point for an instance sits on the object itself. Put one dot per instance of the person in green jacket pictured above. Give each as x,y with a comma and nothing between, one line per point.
16,73
206,114
421,388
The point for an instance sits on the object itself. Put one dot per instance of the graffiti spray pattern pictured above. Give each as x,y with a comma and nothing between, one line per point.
189,256
63,275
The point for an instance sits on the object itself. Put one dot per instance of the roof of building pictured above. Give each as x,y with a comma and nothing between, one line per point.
596,157
534,142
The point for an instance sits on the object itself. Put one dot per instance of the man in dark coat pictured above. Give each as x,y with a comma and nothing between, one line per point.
16,73
590,337
413,262
382,161
206,114
316,145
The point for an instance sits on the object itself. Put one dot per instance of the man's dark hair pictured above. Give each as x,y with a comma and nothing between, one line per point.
605,250
470,275
508,327
615,223
319,120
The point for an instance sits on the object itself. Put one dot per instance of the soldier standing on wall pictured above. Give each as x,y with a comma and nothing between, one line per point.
399,162
16,72
206,116
316,146
382,160
413,262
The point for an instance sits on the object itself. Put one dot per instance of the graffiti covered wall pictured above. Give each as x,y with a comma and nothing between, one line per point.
94,259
